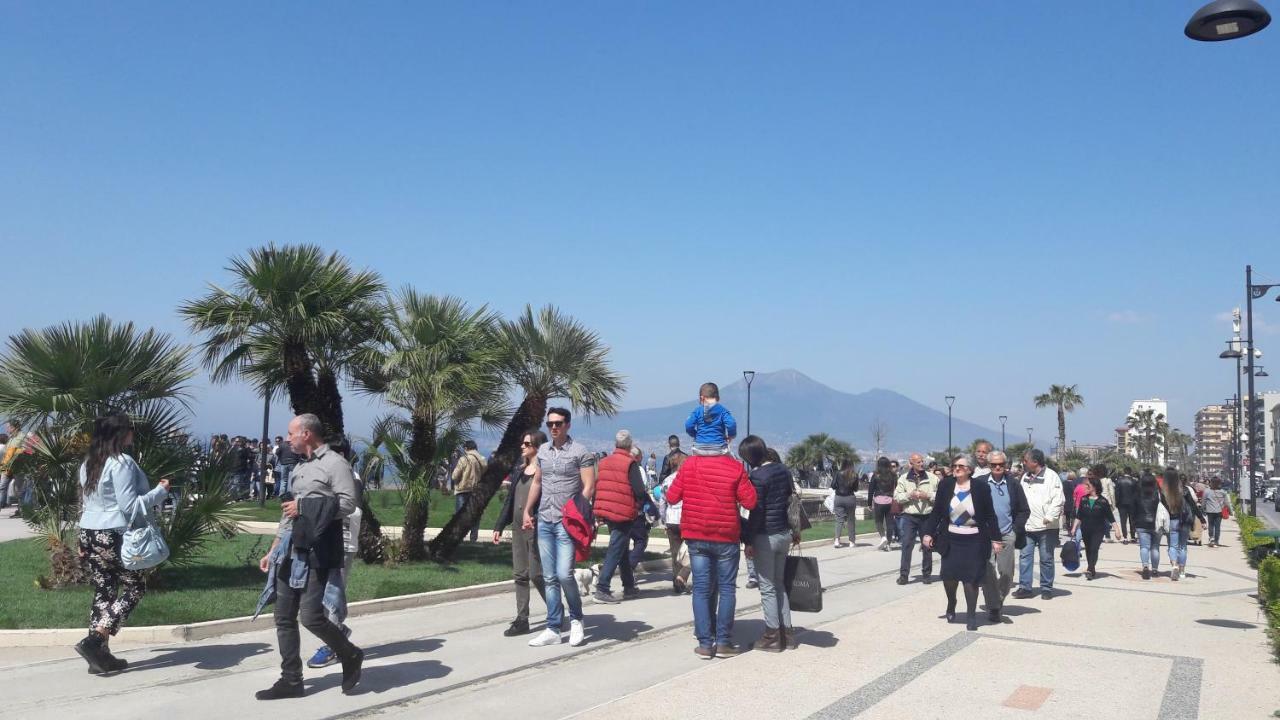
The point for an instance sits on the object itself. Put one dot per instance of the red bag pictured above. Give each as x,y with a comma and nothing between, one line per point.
1226,512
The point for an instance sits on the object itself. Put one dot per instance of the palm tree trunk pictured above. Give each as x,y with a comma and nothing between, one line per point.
330,402
1062,431
526,418
422,452
303,393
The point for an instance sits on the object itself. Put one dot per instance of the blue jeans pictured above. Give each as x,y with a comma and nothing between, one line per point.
1215,527
617,557
1149,548
909,527
1179,534
555,549
715,573
459,500
1043,541
282,479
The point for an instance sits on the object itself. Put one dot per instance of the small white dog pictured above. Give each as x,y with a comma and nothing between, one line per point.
586,578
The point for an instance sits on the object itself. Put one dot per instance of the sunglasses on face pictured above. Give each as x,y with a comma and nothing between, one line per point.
997,464
526,443
555,423
958,466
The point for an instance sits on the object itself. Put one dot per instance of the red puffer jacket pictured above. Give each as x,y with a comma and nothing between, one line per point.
711,488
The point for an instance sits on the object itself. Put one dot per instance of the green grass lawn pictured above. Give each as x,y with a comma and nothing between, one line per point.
226,583
388,506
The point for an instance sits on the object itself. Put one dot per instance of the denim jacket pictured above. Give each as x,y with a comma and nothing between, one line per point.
121,492
298,571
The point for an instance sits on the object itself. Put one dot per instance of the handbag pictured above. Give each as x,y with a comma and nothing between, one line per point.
1162,519
1226,512
829,502
797,518
143,546
803,583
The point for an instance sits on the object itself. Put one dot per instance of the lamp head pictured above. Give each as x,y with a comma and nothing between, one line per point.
1227,20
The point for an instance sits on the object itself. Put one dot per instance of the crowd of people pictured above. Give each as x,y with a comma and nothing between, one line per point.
976,513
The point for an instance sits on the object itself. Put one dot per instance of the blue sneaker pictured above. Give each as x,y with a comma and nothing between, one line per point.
324,657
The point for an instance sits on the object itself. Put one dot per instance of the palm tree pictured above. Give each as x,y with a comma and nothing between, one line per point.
56,381
1175,439
820,452
1151,429
293,318
545,355
441,365
1065,398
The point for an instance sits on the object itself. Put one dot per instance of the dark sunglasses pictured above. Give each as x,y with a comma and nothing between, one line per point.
555,423
959,465
997,464
525,443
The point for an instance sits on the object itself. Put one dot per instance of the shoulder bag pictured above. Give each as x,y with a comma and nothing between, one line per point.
143,546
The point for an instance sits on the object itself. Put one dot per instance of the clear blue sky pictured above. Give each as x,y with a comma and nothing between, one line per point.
935,198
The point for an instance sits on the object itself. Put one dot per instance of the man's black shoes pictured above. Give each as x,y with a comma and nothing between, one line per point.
351,670
281,690
518,627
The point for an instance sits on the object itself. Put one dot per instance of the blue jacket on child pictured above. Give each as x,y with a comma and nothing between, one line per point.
711,425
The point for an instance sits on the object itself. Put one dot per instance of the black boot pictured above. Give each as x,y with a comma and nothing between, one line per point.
281,690
93,651
351,666
113,663
972,621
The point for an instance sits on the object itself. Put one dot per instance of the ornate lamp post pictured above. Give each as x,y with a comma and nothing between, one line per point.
951,400
749,376
1003,419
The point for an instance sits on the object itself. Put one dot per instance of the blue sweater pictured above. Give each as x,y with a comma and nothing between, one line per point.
711,425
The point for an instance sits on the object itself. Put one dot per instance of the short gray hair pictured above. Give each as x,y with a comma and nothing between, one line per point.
997,454
967,460
311,423
622,439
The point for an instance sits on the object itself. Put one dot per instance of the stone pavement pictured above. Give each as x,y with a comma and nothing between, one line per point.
1117,647
12,528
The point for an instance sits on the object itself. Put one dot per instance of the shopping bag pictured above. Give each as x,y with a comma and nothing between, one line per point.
803,584
1226,512
1070,556
829,502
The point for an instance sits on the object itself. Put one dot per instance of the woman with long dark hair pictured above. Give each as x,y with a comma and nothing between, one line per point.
1093,517
526,564
880,495
114,491
1146,504
1180,501
845,501
768,536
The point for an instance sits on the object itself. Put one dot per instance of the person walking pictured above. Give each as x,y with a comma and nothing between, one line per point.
526,565
880,493
712,487
307,548
568,470
1146,506
620,494
1094,518
1180,501
1009,501
1045,500
335,591
915,493
466,476
768,537
1125,493
680,569
114,494
1109,492
1215,501
962,524
673,459
286,461
844,502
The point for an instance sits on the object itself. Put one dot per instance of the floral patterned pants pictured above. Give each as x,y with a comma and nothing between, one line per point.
116,591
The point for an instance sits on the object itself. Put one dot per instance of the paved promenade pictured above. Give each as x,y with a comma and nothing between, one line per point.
1116,647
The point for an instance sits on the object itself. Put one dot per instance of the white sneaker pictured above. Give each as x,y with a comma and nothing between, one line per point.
836,544
576,634
884,544
546,637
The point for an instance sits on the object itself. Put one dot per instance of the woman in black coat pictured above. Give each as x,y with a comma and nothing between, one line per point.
964,530
1093,517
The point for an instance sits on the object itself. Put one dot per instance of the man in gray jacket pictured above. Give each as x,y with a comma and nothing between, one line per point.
324,493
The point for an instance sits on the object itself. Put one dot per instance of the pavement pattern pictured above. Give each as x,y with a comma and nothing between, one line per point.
1117,647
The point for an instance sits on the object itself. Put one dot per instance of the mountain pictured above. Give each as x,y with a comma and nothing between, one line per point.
788,405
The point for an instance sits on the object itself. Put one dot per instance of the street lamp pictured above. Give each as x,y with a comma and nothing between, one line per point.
1233,353
1253,292
951,400
749,376
262,451
1003,419
1029,435
1227,20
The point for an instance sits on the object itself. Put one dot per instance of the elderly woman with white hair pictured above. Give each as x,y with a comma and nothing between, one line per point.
964,530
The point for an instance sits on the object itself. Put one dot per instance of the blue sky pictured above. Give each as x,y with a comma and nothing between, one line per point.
937,199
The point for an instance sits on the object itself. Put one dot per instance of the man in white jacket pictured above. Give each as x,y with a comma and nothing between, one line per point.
1043,488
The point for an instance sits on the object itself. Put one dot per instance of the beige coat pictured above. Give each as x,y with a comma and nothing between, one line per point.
466,474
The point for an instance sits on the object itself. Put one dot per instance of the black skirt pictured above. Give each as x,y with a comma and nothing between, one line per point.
966,557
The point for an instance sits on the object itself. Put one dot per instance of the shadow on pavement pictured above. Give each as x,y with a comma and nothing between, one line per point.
1230,624
202,657
403,647
1016,610
381,678
606,627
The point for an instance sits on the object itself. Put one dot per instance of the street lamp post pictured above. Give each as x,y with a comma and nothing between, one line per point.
1252,292
951,400
749,376
262,451
1003,419
1233,353
1029,435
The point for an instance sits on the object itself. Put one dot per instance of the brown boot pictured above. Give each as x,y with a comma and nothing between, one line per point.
787,638
770,641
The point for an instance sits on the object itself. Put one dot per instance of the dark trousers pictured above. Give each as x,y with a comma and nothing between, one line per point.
909,528
526,565
459,501
310,600
639,541
615,558
1093,541
1127,528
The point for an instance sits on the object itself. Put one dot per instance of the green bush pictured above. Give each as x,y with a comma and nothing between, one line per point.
1269,580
